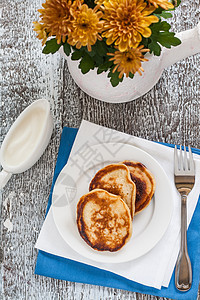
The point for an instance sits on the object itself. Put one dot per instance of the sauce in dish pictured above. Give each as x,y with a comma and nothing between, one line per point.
25,137
26,140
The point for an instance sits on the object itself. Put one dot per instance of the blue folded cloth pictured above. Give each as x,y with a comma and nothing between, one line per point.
61,268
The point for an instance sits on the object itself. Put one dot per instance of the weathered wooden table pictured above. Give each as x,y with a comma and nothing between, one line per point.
168,113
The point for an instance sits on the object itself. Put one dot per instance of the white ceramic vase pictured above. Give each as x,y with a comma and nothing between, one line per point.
99,86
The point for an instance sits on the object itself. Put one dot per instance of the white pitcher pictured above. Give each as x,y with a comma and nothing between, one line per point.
99,86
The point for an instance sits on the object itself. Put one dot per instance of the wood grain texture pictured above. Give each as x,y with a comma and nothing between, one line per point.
168,113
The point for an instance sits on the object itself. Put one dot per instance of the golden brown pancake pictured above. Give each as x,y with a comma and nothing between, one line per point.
145,184
115,179
104,220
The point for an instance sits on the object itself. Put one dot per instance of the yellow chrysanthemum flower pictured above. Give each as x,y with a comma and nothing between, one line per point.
128,61
57,17
100,2
162,3
126,21
86,27
41,31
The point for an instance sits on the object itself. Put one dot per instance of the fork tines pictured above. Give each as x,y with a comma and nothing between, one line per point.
183,163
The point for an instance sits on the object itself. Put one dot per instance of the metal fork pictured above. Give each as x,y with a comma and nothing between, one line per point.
184,177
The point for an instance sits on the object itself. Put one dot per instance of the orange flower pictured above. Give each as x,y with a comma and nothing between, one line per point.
86,27
126,21
128,61
162,3
41,31
57,17
100,2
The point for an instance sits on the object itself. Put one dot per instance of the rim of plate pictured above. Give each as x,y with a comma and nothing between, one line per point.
161,208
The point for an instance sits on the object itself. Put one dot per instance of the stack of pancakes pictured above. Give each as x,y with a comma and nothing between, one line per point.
117,193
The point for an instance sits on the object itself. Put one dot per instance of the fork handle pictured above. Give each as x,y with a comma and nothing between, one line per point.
183,272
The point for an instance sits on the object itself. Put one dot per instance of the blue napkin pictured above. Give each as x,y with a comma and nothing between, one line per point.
61,268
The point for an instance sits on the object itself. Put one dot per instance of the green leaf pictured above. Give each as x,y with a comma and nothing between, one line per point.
155,48
101,48
166,15
131,75
176,41
51,47
98,60
167,39
145,42
114,78
161,36
77,54
158,10
90,53
86,63
67,48
99,71
160,26
104,67
111,50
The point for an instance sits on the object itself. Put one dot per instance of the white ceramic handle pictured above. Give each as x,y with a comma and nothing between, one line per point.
190,45
4,177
